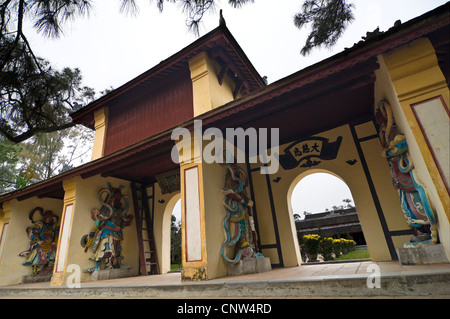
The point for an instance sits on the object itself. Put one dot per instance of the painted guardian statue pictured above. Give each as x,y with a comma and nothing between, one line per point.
43,237
238,222
106,235
413,197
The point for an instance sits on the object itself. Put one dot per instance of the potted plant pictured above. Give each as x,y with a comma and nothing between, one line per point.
338,244
326,248
349,245
311,244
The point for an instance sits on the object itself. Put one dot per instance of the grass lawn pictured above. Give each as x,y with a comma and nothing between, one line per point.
175,267
356,254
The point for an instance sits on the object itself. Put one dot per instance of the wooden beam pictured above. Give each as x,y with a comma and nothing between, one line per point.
223,72
238,88
228,67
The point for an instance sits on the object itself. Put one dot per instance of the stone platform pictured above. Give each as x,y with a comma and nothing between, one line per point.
112,274
319,280
36,278
249,265
425,255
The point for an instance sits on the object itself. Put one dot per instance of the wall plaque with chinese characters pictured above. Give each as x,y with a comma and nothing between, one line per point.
309,152
169,182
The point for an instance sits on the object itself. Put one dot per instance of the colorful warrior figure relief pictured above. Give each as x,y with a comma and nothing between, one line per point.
43,237
105,237
413,197
238,222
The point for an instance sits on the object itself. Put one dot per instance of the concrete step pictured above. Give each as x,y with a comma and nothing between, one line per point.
428,283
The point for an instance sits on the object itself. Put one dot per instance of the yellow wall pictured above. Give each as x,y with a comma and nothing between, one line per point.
86,198
2,216
101,124
407,75
207,92
355,178
3,230
162,226
207,95
410,75
193,233
212,212
83,194
213,178
16,213
62,251
193,268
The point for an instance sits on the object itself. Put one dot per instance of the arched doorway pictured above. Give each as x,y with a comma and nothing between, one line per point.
169,210
319,192
322,204
175,238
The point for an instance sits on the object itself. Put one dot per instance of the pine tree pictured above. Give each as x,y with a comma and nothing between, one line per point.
329,19
36,98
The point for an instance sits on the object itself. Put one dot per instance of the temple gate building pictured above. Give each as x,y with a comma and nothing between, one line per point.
386,95
336,223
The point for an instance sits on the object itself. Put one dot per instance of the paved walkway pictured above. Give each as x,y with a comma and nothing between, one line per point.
351,279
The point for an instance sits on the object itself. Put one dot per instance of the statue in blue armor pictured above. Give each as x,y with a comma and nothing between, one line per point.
106,235
43,237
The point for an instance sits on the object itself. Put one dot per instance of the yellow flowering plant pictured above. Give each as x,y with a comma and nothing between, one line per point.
326,248
349,245
311,245
343,246
337,246
314,244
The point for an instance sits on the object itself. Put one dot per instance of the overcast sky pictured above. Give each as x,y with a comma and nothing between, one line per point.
111,48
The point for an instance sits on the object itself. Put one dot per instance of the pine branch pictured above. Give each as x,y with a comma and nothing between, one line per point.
33,131
19,32
329,19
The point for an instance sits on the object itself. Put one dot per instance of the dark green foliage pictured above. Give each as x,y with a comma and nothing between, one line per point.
329,19
326,248
34,98
33,101
8,159
51,14
175,242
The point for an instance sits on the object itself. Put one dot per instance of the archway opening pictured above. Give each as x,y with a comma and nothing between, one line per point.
168,225
322,204
320,192
175,237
